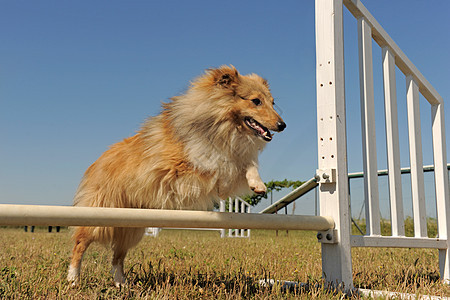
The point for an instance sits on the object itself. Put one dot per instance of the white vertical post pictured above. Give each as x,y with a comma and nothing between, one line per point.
236,210
222,209
442,187
392,144
332,144
248,230
368,128
416,158
230,209
370,166
243,212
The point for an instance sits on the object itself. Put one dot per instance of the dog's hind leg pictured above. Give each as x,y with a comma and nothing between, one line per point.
82,242
124,239
117,266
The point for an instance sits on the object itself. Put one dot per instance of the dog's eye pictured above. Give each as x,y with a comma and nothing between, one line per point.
256,101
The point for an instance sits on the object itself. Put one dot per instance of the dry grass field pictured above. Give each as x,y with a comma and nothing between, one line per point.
182,264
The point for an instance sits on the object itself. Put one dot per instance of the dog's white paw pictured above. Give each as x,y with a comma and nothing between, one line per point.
258,187
120,284
73,276
119,277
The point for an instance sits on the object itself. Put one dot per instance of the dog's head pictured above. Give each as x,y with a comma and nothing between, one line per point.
250,101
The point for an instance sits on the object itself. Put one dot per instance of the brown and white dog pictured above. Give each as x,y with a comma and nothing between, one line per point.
203,147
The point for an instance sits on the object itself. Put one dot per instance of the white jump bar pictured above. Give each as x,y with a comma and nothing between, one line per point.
129,217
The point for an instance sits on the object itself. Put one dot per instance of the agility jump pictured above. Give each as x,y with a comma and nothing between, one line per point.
332,174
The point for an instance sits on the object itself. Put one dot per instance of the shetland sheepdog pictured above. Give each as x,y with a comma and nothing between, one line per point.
202,147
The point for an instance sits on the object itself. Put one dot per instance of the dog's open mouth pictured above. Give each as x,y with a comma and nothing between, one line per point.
260,130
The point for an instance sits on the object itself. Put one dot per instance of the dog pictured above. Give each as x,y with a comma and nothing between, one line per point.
201,148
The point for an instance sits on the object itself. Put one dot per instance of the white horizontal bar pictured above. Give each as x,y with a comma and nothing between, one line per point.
292,196
429,168
397,242
129,217
206,229
374,294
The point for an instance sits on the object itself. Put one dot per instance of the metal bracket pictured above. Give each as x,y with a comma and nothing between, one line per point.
327,236
326,175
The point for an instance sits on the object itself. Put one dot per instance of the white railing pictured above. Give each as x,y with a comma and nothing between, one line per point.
416,84
238,206
333,174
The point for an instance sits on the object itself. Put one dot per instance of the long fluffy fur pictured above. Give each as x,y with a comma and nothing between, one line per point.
197,151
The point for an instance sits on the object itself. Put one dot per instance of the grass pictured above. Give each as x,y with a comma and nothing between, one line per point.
200,265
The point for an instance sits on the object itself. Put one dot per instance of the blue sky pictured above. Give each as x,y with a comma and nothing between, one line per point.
78,76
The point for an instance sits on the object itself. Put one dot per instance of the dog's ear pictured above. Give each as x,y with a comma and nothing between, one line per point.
225,80
266,83
226,77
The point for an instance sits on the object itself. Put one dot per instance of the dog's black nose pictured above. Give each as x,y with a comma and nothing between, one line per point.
281,125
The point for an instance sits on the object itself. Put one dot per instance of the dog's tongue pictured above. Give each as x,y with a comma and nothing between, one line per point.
262,131
256,126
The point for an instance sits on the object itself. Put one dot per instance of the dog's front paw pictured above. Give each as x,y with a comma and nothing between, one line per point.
258,187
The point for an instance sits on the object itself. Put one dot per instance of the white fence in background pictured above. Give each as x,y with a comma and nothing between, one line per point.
152,231
238,205
332,145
